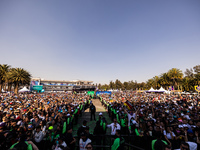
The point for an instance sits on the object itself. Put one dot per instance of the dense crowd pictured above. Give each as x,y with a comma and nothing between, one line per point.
45,121
156,119
39,121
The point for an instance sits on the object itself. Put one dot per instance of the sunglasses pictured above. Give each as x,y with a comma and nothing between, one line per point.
88,147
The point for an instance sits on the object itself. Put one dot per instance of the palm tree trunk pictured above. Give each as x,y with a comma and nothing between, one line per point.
9,87
16,88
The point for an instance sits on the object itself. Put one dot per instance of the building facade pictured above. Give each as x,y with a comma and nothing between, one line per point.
62,85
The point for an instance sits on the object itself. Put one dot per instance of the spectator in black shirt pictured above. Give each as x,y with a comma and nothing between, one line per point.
92,110
82,128
69,139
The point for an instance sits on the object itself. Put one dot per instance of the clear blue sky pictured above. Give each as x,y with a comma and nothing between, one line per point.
100,40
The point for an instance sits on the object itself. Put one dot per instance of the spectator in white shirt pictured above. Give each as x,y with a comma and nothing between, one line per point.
84,140
114,126
169,135
38,136
61,145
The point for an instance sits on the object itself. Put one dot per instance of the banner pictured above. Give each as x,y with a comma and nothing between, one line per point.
103,92
197,88
128,105
90,93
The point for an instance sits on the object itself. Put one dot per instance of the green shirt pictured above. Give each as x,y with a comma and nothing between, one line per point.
117,143
123,123
28,148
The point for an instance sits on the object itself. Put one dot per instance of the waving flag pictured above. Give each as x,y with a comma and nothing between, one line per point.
128,105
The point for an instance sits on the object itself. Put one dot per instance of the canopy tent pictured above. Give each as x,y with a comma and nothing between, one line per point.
167,92
3,91
24,89
162,90
151,90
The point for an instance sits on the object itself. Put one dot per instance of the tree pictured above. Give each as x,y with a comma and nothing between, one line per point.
150,83
3,73
197,78
156,82
99,86
188,83
175,76
189,73
196,69
164,80
118,84
126,85
197,74
19,76
105,87
112,85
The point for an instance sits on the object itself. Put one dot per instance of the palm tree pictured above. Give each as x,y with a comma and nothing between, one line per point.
175,75
8,80
4,69
19,76
150,83
164,80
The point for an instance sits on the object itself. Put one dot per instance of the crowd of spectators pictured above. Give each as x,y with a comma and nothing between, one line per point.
46,121
40,121
172,118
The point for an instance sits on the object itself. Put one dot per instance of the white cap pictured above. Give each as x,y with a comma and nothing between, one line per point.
19,122
180,126
100,114
134,122
68,115
185,125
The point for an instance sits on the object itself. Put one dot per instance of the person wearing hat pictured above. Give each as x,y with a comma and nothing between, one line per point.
50,137
189,135
92,111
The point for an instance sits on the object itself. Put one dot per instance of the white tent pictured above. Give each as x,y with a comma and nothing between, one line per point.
24,89
161,89
2,91
167,92
151,90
